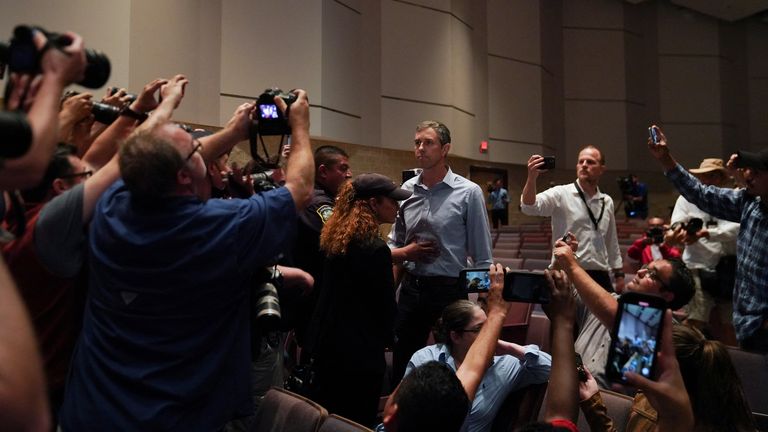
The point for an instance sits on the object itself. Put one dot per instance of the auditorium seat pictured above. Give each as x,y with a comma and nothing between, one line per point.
535,254
536,264
536,245
513,263
505,253
336,423
538,330
283,411
619,407
752,369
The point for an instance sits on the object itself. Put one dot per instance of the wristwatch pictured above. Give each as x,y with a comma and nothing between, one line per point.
618,274
128,112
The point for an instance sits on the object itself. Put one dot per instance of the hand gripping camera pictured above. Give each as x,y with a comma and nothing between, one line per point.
270,120
22,55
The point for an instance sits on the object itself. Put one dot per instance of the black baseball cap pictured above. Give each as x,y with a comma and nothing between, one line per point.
757,160
373,184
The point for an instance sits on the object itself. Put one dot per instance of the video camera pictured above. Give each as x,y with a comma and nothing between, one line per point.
22,56
625,184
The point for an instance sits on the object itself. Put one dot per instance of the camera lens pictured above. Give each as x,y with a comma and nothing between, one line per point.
267,306
104,113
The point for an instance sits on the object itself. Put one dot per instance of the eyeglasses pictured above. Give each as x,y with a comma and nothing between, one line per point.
475,329
198,146
654,274
85,174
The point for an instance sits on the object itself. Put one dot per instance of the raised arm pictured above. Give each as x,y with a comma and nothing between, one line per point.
529,190
660,150
479,357
603,305
236,130
60,68
667,394
563,398
106,144
300,172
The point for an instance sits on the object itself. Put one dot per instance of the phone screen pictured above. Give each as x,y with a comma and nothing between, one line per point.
635,342
268,111
526,287
475,280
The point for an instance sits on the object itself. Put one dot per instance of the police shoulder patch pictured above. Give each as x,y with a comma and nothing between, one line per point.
325,212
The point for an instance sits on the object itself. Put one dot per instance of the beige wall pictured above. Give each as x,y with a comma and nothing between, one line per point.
544,76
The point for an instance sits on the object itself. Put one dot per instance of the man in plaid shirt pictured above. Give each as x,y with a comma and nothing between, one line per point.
746,206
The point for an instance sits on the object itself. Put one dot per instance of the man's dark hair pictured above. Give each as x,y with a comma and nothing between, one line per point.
57,167
328,155
680,284
431,397
443,134
148,165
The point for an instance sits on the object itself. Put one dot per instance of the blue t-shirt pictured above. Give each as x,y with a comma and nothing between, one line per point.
165,342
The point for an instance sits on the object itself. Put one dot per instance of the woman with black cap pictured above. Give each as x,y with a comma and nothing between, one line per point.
354,318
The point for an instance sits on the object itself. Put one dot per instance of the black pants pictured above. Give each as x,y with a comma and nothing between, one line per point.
422,300
498,216
602,278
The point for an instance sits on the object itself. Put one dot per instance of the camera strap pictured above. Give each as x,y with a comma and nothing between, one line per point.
595,222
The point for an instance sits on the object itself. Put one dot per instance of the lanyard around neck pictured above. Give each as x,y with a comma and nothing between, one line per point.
595,222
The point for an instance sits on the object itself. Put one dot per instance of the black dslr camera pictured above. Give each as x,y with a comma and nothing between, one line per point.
102,113
22,56
656,234
691,227
270,120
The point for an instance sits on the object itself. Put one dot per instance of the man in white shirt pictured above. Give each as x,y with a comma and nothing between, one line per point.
704,248
582,209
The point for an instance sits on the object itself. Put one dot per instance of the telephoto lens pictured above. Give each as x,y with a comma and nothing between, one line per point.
267,307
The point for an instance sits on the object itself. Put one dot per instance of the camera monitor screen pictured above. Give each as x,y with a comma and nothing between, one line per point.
268,111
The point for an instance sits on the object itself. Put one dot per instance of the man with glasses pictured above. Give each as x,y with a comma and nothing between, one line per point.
667,278
166,335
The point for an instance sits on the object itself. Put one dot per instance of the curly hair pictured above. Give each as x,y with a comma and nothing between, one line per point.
352,220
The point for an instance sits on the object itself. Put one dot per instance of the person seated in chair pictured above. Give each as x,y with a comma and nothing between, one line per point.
516,367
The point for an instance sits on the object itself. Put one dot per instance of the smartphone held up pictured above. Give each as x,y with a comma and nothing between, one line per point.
653,134
636,336
525,286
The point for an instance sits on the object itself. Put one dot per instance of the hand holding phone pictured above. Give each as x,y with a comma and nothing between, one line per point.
519,285
635,339
549,163
653,134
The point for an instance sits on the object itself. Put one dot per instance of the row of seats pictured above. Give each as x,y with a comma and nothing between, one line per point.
284,411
